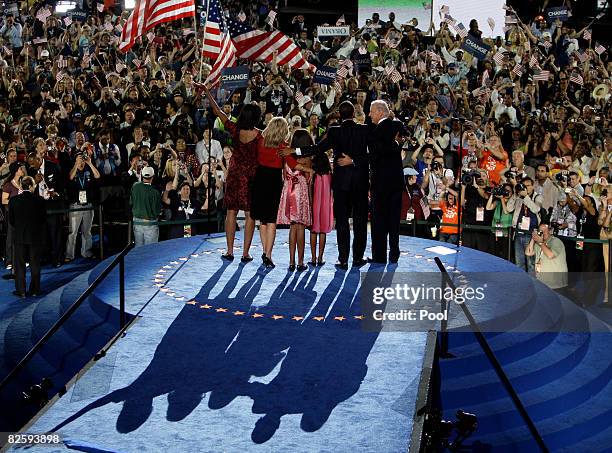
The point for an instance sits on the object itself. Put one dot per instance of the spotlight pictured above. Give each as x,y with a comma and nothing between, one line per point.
63,7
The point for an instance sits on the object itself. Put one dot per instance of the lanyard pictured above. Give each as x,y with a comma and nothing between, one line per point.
82,181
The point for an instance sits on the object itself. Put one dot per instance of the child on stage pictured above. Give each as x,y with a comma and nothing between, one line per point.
322,207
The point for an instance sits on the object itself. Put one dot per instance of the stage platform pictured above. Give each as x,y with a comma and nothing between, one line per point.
233,357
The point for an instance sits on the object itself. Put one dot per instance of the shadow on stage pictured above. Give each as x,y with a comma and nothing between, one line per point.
304,362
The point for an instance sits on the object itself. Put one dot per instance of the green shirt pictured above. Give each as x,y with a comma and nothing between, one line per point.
145,201
501,219
551,271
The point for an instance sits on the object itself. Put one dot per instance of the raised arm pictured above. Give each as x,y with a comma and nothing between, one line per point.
213,103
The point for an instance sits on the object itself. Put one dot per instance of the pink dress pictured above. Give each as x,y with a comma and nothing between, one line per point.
322,205
295,201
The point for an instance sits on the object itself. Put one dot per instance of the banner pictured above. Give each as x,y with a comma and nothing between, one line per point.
475,47
323,32
325,75
234,78
560,12
78,15
11,8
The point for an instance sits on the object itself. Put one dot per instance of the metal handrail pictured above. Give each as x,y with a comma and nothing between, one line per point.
118,260
501,374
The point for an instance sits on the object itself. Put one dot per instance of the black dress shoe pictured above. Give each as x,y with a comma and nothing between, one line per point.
228,257
393,260
35,293
341,265
320,263
268,263
301,268
18,294
360,262
291,268
373,261
8,277
246,259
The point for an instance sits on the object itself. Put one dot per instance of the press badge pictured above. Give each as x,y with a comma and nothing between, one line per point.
525,223
189,211
480,214
83,196
410,215
187,231
579,244
499,232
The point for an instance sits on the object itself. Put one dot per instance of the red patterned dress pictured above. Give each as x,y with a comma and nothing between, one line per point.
295,199
241,171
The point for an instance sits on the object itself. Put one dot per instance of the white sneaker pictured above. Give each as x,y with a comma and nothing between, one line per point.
9,267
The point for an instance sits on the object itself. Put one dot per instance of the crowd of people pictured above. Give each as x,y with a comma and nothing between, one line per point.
519,141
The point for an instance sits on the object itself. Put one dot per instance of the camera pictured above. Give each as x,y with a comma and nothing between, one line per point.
561,177
436,166
510,174
499,192
520,187
539,233
468,177
551,127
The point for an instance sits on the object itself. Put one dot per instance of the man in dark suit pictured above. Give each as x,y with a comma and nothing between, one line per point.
350,181
387,182
50,187
27,215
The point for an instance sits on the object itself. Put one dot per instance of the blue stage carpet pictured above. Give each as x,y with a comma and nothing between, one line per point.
233,358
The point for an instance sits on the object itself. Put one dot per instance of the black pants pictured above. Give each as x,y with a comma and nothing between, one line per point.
479,240
349,204
386,213
27,253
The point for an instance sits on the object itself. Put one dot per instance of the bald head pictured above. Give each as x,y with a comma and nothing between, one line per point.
379,110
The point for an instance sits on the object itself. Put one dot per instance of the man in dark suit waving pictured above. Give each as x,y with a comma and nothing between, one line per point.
27,215
350,181
387,182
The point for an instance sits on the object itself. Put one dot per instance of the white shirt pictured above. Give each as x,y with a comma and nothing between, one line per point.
499,108
202,149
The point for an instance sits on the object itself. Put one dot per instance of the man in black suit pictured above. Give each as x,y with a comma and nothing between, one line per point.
387,182
350,181
27,215
50,187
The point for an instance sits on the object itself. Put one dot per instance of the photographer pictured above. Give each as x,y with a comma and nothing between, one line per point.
81,187
545,187
474,197
548,253
422,165
526,206
450,215
502,218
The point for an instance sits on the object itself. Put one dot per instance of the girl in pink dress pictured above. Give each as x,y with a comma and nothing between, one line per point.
322,207
294,209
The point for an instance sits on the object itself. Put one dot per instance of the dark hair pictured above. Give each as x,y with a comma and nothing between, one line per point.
301,138
249,117
13,169
543,165
346,110
320,164
27,183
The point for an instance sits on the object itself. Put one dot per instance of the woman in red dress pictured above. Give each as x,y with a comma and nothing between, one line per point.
241,172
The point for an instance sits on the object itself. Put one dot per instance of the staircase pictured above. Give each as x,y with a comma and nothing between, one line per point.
563,377
92,325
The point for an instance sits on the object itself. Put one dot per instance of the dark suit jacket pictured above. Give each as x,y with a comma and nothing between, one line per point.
55,181
351,139
386,157
28,214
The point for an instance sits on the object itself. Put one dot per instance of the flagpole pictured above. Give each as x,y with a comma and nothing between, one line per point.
203,40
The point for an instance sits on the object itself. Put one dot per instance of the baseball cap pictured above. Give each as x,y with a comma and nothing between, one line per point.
44,53
147,172
452,66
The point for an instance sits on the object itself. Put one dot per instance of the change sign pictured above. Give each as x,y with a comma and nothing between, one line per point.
234,78
475,47
325,75
323,32
561,13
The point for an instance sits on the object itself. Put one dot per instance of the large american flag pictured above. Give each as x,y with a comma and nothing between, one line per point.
149,13
226,40
218,44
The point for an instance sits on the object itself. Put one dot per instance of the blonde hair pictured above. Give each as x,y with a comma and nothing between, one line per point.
276,132
169,168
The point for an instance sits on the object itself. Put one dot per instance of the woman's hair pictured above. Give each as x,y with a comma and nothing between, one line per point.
276,132
169,168
249,117
320,164
301,138
13,169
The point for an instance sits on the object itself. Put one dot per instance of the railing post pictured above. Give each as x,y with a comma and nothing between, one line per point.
122,292
130,232
101,230
608,286
510,244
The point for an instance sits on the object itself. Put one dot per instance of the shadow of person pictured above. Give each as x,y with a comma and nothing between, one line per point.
188,362
261,343
324,366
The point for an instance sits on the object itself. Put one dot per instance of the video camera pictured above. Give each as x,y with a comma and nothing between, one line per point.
468,177
562,177
500,191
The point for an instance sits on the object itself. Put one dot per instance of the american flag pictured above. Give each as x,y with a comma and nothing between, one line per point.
299,97
7,51
403,67
348,63
395,76
59,76
241,16
587,35
342,72
518,70
491,23
271,17
149,13
218,44
136,62
577,78
108,26
67,21
582,56
43,14
415,53
61,62
120,67
444,9
485,78
461,30
547,44
449,20
533,62
421,66
599,48
499,57
259,45
389,70
150,36
542,76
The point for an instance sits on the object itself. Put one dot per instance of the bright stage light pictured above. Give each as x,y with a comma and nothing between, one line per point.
64,6
130,4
